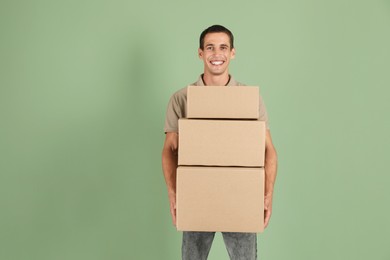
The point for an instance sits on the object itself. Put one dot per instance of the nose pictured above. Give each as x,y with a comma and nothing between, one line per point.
217,51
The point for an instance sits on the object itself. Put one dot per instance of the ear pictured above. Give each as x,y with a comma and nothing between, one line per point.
233,53
200,53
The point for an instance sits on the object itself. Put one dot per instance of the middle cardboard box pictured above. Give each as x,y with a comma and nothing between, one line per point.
206,142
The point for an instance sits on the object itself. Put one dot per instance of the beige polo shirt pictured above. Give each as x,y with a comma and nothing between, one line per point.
177,106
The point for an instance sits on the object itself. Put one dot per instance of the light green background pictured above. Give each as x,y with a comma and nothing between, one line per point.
83,90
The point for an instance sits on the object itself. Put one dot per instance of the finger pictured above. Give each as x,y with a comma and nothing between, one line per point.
173,213
267,216
266,203
266,223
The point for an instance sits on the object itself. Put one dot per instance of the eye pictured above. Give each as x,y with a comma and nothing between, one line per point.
209,48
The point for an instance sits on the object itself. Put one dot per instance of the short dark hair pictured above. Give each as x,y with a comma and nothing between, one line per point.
216,29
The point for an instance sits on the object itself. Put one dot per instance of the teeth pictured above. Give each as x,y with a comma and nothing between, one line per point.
217,62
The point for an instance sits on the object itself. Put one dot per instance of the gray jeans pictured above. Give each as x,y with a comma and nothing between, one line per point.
240,246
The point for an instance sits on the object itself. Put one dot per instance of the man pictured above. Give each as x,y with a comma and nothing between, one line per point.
216,49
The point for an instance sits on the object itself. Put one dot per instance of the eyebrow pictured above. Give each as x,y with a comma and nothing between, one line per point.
222,45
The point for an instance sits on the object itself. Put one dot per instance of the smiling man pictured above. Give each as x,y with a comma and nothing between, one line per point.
216,49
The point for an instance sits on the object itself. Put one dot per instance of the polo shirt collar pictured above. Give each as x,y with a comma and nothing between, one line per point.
232,81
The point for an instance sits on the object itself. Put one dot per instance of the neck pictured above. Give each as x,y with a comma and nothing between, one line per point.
216,80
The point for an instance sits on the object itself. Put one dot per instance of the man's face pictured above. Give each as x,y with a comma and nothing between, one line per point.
216,53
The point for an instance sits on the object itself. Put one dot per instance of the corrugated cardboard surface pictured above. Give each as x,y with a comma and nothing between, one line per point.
227,199
221,142
238,102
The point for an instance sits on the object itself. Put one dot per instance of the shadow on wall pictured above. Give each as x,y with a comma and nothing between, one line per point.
151,220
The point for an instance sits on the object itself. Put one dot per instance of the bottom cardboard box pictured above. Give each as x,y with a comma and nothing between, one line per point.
226,199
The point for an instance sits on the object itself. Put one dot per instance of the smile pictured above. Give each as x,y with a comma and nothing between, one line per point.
217,62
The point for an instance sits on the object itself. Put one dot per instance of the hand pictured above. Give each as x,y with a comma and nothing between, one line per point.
172,204
267,209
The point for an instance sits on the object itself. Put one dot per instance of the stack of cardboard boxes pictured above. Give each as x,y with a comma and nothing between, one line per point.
220,177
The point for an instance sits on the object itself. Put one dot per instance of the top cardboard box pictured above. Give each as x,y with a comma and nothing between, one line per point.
225,102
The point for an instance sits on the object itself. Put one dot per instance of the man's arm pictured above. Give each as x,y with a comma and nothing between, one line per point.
271,163
169,165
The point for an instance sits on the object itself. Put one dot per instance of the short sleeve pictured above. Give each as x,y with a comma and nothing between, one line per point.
172,116
177,108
